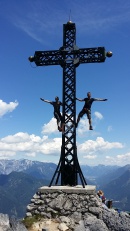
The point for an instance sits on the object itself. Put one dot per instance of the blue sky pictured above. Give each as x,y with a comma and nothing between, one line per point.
27,127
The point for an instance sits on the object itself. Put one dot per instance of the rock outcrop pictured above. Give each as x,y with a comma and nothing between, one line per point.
10,224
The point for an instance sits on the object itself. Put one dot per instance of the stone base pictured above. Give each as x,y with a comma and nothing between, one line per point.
89,189
75,208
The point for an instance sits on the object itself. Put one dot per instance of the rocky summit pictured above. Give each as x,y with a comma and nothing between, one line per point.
64,208
75,209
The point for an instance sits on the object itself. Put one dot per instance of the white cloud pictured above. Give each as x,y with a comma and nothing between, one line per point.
90,156
98,115
31,154
50,127
51,146
32,145
21,137
121,159
7,107
29,145
5,154
83,126
124,156
99,145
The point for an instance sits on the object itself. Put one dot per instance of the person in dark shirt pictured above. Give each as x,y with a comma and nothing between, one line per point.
87,108
56,104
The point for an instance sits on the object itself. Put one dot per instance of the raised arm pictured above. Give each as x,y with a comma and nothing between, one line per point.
79,99
47,101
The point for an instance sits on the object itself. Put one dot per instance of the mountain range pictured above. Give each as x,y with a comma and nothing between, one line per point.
118,190
37,169
16,191
20,179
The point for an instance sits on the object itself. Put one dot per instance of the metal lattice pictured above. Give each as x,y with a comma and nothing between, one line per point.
69,56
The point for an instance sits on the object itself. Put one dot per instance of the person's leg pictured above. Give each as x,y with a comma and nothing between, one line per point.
62,124
90,125
58,121
80,115
89,120
78,119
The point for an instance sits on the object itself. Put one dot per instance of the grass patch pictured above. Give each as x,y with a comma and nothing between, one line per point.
28,221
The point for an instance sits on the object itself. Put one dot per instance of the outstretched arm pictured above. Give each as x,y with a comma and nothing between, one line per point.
97,99
47,101
79,99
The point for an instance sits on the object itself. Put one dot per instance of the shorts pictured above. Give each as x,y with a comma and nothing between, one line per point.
85,111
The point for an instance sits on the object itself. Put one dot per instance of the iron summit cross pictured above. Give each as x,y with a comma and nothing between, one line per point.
69,56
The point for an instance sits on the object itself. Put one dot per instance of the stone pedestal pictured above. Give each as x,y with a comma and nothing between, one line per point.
57,201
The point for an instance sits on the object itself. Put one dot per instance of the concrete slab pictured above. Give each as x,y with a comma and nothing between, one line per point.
89,189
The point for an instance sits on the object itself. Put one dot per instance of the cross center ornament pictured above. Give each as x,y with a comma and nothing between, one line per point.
69,57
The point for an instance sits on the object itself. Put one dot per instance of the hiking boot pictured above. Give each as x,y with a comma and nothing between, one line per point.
90,128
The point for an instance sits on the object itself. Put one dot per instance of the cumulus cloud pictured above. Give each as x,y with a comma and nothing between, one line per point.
30,145
21,137
119,159
50,127
83,126
91,146
7,107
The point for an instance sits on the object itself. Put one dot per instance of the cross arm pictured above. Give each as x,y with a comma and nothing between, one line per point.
45,58
76,55
91,55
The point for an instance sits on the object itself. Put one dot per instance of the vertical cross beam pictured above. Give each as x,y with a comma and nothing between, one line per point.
70,168
69,56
